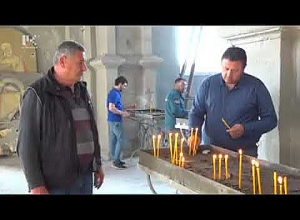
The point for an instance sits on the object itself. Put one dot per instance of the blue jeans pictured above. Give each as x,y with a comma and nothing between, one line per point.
115,140
83,185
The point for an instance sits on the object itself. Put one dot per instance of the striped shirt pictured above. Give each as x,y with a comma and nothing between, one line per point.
82,125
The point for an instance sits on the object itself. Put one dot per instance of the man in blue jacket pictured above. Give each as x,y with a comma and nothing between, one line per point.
237,107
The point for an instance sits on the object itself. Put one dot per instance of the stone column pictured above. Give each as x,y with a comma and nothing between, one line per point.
106,66
149,63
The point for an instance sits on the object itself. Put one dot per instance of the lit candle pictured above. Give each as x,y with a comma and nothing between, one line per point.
182,162
190,144
258,177
180,159
153,145
226,166
253,177
285,185
181,145
171,150
158,145
240,168
175,149
214,165
280,184
275,182
220,166
195,142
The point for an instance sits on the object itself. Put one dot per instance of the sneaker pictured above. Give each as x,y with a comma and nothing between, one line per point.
122,162
118,166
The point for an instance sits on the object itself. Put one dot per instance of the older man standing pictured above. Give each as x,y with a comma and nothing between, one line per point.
58,141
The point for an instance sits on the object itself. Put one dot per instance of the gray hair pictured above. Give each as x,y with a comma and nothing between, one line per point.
67,48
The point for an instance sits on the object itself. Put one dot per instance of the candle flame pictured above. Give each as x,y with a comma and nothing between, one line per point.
226,156
153,136
253,162
279,179
256,164
159,136
214,156
240,151
176,134
181,154
220,156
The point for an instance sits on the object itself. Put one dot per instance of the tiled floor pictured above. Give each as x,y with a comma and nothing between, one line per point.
129,181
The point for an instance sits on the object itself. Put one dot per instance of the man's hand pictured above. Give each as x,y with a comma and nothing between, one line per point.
39,190
99,178
125,114
236,131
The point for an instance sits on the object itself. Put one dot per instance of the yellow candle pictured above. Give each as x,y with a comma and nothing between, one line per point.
214,165
195,142
153,145
285,185
275,182
190,144
180,159
226,166
181,145
171,150
175,149
240,168
220,166
182,162
158,145
280,184
258,176
253,177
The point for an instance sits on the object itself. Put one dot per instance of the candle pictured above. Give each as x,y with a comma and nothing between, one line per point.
258,177
253,177
195,142
190,144
182,162
175,149
153,145
275,182
240,168
226,166
285,185
220,166
214,165
280,184
170,143
180,159
181,145
158,145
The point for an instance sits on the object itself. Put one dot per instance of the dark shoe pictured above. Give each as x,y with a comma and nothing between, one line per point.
118,166
122,162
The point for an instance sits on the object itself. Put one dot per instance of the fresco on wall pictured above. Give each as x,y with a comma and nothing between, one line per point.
17,51
18,68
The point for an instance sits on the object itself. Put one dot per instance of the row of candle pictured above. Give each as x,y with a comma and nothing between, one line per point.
280,180
256,177
220,156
